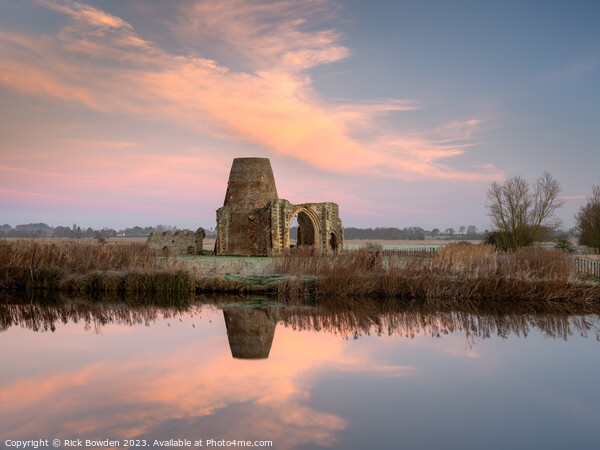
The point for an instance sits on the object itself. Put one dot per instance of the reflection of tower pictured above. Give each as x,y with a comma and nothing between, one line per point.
250,331
251,185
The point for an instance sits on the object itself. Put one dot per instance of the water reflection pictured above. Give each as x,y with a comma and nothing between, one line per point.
151,372
45,316
413,321
250,329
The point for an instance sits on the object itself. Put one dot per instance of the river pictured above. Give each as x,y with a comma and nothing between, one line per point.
298,377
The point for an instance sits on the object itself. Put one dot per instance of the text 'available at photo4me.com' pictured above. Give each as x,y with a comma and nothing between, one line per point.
131,443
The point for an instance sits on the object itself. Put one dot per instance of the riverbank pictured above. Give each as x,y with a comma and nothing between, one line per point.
463,274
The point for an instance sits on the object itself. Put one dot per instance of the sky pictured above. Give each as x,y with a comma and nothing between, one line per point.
115,114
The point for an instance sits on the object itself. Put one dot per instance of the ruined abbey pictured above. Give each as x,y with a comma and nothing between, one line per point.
255,221
179,243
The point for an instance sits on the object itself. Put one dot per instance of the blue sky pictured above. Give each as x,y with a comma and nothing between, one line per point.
122,113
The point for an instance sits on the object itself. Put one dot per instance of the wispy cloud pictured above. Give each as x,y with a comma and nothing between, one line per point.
101,61
572,197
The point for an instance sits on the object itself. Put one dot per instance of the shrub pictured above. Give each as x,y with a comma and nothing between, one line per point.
564,245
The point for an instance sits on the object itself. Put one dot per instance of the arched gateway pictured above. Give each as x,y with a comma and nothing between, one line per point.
254,221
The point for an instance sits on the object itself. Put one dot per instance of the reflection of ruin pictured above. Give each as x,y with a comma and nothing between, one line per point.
254,221
250,331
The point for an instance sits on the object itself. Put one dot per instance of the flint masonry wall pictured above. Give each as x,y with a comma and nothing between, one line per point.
319,225
251,186
179,243
254,221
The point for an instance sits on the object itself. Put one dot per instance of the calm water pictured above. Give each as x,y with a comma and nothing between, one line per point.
300,378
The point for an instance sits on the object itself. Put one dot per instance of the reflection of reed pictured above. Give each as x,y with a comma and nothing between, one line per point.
411,321
46,312
251,330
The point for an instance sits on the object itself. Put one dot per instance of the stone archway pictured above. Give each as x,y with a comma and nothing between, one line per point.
308,227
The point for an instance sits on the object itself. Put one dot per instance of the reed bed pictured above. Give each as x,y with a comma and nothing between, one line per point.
458,273
466,274
86,267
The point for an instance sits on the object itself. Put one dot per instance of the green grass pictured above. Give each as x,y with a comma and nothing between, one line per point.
210,264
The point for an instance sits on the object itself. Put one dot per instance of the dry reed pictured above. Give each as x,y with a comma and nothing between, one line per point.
459,273
84,267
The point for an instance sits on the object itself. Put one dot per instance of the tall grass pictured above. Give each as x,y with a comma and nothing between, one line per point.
480,261
457,273
84,267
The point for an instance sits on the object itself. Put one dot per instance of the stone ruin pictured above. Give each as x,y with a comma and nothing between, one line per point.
255,221
179,243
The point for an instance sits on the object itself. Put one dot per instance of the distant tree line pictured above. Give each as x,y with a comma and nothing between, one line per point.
387,233
76,232
469,232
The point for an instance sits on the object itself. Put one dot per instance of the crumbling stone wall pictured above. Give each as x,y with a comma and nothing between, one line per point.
254,221
251,185
179,243
259,229
319,225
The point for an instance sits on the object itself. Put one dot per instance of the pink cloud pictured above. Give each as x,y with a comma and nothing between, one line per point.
134,396
272,104
265,34
113,176
83,13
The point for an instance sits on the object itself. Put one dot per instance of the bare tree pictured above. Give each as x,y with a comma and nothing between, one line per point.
588,221
518,211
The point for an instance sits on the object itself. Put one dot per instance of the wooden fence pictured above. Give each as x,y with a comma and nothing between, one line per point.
588,266
583,266
429,251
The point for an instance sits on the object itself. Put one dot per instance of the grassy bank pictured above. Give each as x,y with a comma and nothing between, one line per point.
458,274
